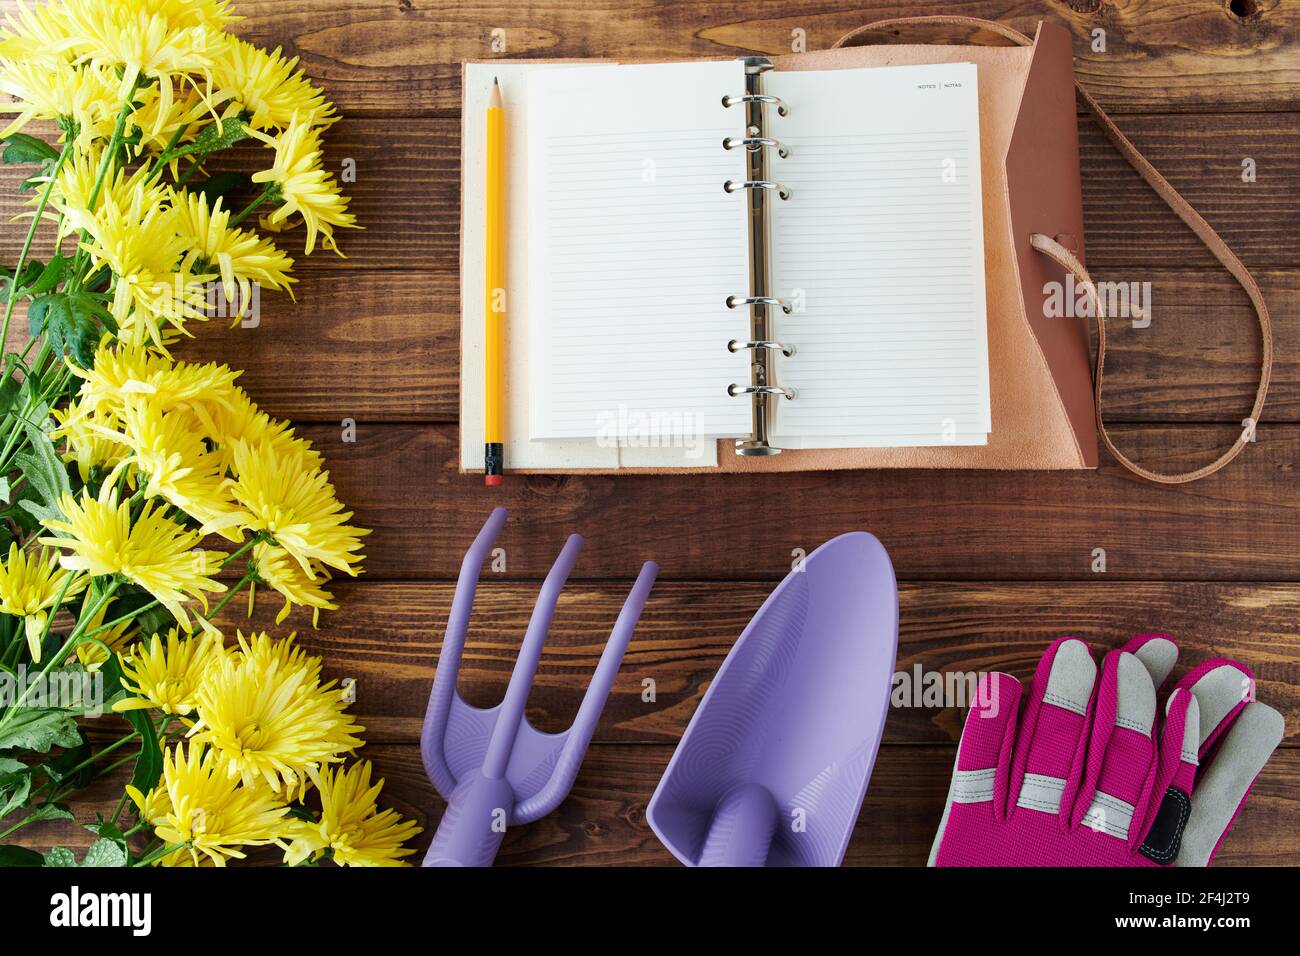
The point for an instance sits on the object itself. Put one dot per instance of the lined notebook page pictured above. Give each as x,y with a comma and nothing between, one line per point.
634,248
880,250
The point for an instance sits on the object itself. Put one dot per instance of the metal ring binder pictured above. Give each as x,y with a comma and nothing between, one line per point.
736,346
759,98
732,186
762,390
736,301
756,142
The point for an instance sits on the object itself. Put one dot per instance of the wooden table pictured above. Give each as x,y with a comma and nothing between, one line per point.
992,566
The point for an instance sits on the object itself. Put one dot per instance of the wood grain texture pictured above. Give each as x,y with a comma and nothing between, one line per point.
1240,524
407,193
403,58
384,346
602,823
387,641
993,565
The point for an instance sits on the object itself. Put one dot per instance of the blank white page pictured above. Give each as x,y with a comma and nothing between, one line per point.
880,249
634,248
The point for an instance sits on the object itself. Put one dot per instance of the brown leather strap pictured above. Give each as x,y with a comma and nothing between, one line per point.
1067,260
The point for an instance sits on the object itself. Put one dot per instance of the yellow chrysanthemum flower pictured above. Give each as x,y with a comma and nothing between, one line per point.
154,283
172,456
293,501
121,372
351,824
304,186
83,434
30,583
70,199
277,569
241,257
238,418
145,39
271,718
160,127
270,89
38,33
199,806
166,675
117,638
56,90
267,653
155,553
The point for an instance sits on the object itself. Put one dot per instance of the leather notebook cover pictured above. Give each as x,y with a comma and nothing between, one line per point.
1039,367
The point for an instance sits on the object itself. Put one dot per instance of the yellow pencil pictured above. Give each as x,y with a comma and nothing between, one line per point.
494,381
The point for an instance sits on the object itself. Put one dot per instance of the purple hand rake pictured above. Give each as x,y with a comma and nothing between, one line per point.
493,767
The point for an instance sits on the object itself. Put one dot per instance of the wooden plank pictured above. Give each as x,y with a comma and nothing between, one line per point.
1148,369
404,58
384,346
602,823
407,193
1240,524
1128,227
387,638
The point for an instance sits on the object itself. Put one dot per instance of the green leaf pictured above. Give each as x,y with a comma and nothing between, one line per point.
213,139
156,620
39,729
51,811
107,829
104,853
28,149
20,856
220,185
72,322
47,477
50,277
59,768
60,857
149,764
15,788
4,490
31,272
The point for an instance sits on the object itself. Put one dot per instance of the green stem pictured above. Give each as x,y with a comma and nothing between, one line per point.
121,805
27,248
116,745
185,176
230,596
164,157
243,549
158,854
61,792
266,194
62,653
110,156
30,405
117,763
130,615
19,825
45,631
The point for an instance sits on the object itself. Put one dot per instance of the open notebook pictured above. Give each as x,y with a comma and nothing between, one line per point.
630,263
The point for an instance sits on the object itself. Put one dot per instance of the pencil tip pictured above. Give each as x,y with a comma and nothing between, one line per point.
495,81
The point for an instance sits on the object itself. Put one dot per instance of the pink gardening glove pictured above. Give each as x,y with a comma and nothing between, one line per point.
1079,777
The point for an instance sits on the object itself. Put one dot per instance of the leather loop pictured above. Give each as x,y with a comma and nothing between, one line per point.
1001,29
1064,257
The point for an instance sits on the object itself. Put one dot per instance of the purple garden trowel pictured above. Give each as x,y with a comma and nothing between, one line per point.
492,766
774,765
